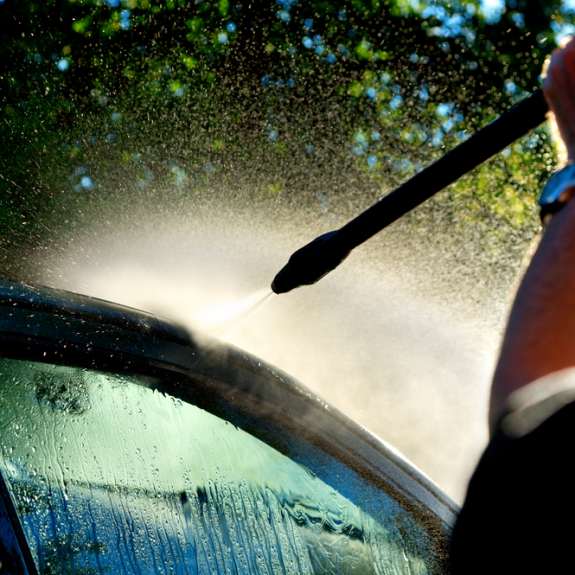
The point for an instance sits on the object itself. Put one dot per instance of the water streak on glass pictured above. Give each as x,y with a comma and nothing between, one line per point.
108,474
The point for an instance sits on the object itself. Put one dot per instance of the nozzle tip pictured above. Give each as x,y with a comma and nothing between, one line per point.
309,264
282,283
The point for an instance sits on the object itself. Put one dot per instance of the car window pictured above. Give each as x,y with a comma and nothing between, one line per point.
110,474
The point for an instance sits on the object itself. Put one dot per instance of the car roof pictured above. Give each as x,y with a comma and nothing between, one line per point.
39,323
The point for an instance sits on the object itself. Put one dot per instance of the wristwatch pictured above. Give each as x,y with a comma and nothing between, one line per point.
557,192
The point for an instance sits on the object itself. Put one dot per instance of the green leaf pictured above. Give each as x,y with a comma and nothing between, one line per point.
224,7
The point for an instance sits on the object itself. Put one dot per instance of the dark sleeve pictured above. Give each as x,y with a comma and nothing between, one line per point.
519,513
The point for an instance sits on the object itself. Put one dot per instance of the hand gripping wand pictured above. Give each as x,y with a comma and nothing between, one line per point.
309,264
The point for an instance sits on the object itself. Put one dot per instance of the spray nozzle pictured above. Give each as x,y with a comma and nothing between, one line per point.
310,263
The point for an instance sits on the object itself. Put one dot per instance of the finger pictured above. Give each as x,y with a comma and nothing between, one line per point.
559,90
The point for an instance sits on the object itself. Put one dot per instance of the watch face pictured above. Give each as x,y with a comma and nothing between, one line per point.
561,181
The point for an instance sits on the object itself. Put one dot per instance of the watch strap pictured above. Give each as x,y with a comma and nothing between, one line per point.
555,193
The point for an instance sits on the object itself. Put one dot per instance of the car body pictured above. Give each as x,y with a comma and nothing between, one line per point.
129,445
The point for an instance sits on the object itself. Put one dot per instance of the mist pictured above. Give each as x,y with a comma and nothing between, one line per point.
403,345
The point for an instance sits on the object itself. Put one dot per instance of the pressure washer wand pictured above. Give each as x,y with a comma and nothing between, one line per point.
310,263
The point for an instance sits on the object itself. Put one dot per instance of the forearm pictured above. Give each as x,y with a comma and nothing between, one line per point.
540,336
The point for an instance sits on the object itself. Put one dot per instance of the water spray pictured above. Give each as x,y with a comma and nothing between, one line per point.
315,260
223,319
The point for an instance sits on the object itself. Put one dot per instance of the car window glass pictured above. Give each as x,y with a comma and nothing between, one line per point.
109,474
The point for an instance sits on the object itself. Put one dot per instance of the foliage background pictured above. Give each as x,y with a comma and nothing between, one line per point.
324,104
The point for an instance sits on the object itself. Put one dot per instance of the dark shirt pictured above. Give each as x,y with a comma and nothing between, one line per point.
519,513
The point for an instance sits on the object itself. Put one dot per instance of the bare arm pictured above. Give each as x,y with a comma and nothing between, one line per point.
540,335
